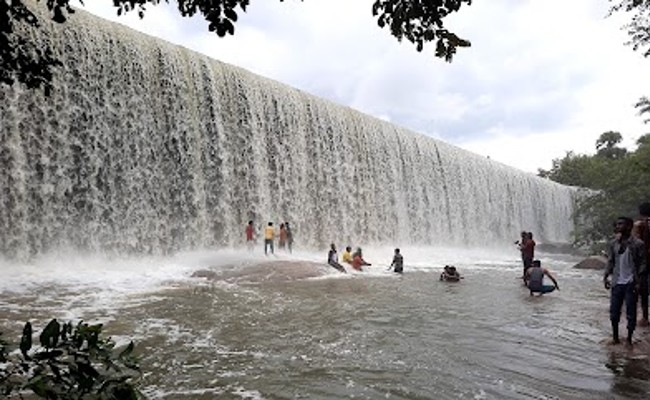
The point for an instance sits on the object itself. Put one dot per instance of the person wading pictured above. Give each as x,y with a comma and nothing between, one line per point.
250,235
282,241
642,231
269,235
535,279
528,252
289,233
626,261
398,262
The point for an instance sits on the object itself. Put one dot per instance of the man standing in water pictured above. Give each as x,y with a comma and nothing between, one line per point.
398,262
250,235
642,231
626,261
528,252
520,246
269,235
289,236
535,279
282,237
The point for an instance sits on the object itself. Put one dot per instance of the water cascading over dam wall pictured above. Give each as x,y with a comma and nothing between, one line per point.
144,146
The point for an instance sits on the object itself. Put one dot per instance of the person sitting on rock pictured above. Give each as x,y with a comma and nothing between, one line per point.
333,259
347,255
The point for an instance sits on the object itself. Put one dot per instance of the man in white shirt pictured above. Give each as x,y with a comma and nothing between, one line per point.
626,263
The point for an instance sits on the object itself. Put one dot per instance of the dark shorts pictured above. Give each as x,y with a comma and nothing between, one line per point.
337,266
543,289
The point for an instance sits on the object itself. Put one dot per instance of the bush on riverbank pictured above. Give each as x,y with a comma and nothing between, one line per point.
70,363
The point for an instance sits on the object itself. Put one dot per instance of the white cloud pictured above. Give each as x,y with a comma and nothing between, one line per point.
541,77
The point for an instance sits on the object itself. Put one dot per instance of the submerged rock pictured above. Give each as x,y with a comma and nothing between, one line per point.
592,262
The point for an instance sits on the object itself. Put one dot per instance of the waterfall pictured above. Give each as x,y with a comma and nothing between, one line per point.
148,147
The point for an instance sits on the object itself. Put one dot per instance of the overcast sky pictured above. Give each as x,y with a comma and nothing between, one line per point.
542,76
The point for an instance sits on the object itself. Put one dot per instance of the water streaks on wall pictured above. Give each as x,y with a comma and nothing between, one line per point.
145,147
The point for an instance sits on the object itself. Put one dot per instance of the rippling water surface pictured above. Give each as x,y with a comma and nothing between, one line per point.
293,329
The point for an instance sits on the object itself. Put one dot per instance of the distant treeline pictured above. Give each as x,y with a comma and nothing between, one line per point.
613,182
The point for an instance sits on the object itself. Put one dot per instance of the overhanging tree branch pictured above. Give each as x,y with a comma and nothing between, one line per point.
419,22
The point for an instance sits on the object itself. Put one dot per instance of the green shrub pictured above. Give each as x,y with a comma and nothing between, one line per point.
70,363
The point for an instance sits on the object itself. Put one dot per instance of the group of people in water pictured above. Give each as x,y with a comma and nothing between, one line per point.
284,235
533,274
626,272
355,260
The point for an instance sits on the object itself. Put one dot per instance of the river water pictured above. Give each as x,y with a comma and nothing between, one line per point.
293,328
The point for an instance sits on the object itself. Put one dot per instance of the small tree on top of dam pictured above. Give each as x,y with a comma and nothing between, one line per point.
419,22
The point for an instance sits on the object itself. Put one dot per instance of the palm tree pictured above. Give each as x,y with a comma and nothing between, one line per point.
644,107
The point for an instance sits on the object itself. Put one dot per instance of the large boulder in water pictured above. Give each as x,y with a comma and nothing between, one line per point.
559,248
592,262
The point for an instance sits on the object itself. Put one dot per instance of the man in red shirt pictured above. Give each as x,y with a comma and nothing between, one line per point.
528,252
357,260
250,235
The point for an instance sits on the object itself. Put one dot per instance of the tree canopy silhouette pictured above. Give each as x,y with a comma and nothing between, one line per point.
419,22
638,29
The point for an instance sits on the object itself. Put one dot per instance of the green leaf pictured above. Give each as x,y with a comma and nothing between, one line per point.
38,386
50,335
231,14
230,28
26,340
126,352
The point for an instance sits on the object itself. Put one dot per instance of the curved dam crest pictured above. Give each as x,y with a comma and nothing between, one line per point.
147,147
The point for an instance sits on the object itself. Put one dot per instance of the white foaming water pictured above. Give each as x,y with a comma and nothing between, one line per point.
116,275
148,148
111,279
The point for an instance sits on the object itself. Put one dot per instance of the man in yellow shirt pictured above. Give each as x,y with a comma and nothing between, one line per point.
269,235
347,255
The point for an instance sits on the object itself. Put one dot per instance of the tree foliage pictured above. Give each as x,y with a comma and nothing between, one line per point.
420,22
607,145
643,105
613,182
638,29
21,59
70,363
